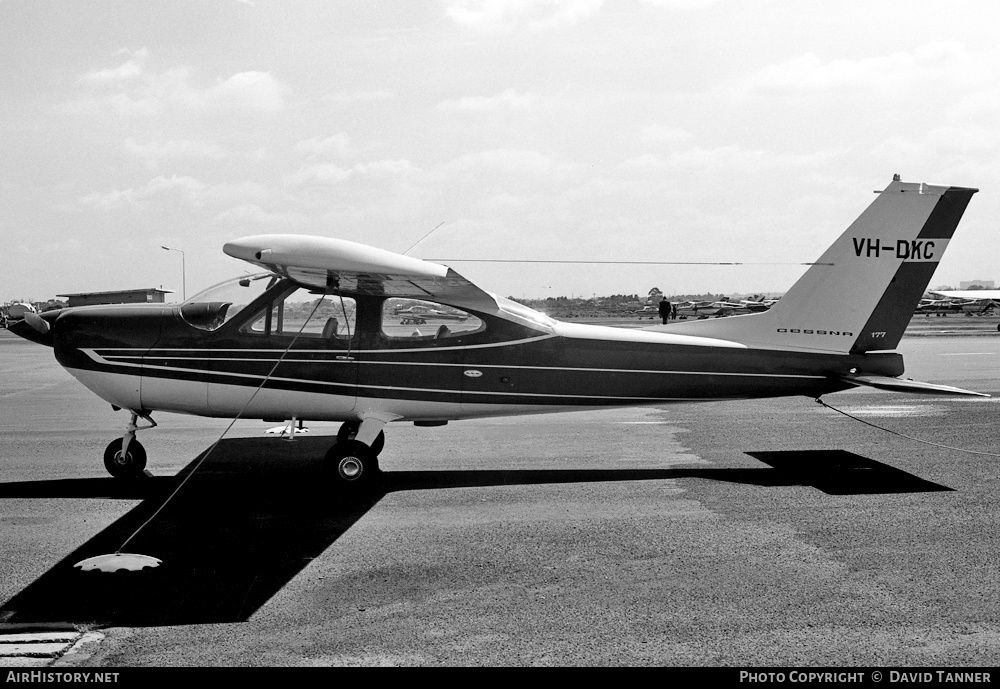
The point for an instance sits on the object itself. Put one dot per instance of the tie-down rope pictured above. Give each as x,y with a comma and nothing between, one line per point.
903,435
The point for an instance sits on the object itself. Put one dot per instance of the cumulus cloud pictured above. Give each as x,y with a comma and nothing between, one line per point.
349,97
254,90
977,106
386,168
110,200
127,71
945,143
252,214
154,152
133,89
322,173
534,15
681,4
521,162
331,173
507,100
809,72
188,187
733,159
659,134
336,145
168,190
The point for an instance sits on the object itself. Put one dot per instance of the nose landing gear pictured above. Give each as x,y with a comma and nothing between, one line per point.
126,458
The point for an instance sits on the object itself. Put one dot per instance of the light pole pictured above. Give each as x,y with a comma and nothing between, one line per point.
183,272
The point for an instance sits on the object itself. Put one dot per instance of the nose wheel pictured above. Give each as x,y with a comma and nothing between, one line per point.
125,457
128,464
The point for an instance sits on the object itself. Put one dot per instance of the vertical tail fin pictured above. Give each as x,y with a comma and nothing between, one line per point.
861,293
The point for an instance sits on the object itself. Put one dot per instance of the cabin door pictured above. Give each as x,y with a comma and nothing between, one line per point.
305,345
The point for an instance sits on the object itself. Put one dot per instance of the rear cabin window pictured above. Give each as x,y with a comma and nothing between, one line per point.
417,321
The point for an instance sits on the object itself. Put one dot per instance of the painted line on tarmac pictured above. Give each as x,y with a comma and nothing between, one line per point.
895,410
41,649
35,648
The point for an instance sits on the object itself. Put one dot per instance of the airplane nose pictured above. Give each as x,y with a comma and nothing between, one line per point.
35,328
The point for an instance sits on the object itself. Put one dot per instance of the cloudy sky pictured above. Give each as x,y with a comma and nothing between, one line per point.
628,130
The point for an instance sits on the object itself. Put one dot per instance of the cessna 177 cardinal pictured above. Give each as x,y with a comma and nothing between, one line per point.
317,336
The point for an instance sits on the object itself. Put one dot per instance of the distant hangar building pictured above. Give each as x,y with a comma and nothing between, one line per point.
125,296
969,284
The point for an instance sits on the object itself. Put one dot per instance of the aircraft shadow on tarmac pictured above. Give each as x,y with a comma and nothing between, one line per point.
256,514
838,472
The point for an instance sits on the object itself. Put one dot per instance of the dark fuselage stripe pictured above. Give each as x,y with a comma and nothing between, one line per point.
121,360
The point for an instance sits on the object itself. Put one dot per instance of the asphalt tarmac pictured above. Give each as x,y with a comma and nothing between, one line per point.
766,533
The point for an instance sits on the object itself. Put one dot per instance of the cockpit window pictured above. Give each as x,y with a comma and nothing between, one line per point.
309,313
215,306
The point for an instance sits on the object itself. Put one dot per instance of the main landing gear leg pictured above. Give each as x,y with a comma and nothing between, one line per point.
126,458
353,460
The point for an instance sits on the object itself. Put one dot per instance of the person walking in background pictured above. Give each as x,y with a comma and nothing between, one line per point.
664,310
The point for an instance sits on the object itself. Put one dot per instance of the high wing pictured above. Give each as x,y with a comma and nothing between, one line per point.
352,268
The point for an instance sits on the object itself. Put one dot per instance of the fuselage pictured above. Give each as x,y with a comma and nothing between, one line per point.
509,361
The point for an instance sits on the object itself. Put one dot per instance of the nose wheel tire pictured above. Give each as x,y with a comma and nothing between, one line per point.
349,429
128,466
352,463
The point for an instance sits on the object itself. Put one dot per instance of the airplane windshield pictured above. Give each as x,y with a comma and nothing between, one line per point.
213,307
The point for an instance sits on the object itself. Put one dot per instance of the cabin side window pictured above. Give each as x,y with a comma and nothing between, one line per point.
306,314
417,320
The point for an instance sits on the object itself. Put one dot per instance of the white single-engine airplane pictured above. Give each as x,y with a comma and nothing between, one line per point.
972,294
419,315
972,301
317,337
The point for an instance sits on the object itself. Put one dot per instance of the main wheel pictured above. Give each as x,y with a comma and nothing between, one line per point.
349,429
353,463
127,466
